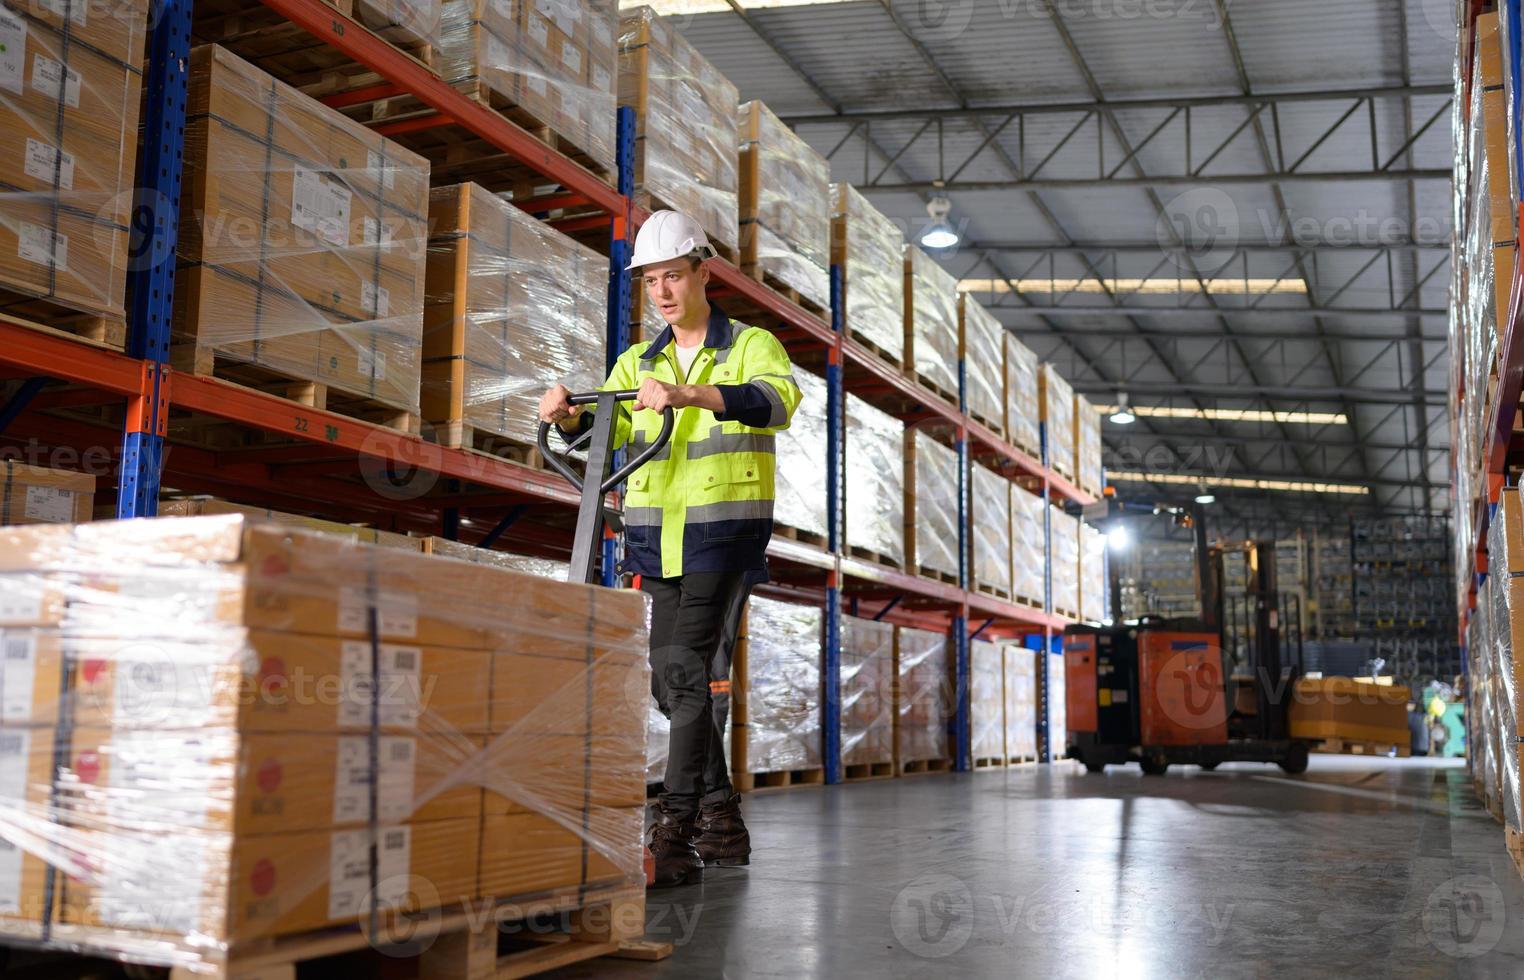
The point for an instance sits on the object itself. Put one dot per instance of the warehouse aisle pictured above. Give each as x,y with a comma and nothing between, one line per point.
1359,868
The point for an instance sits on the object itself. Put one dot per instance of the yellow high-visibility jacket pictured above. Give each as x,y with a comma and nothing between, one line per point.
705,503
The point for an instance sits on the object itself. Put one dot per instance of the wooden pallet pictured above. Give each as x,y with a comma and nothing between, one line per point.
1021,760
1002,594
921,767
1022,600
751,782
1344,746
933,387
990,762
936,575
1067,613
883,355
869,555
464,435
860,771
1514,841
207,362
996,427
98,331
798,534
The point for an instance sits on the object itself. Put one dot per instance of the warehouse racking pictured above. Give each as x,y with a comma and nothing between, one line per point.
434,489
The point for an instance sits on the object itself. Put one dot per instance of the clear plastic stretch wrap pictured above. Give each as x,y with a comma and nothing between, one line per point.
203,506
1482,746
555,60
801,450
549,568
70,84
923,698
1480,309
785,201
302,238
512,307
685,118
1058,728
1093,602
250,707
1029,549
777,704
983,352
875,485
992,530
1058,414
931,320
987,700
867,692
1505,589
932,528
871,252
1065,558
1020,702
1087,445
1023,411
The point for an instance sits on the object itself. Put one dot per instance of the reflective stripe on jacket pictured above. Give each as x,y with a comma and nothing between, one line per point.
705,503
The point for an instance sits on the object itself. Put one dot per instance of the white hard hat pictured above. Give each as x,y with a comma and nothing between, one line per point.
669,235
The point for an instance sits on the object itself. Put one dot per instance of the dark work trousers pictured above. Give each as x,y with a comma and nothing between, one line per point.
694,622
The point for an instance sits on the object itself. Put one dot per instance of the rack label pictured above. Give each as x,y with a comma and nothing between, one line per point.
351,780
320,205
349,884
52,505
43,246
12,51
49,76
18,675
42,162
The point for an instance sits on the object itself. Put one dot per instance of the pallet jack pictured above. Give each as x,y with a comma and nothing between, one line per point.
1161,691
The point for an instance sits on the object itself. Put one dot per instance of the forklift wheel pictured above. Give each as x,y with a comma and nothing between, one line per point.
1295,760
1094,766
1153,766
1208,766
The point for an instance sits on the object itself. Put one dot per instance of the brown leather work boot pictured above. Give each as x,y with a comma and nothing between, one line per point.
670,842
722,838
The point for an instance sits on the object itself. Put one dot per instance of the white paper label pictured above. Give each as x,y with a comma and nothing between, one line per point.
72,9
537,84
504,9
18,674
43,246
396,612
539,32
351,779
20,598
376,232
497,55
10,878
12,51
373,300
48,75
397,670
15,749
603,35
572,58
42,160
52,505
373,363
349,884
564,14
320,205
602,79
378,165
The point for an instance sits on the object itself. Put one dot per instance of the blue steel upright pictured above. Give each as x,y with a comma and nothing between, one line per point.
830,713
620,295
155,223
1044,748
962,706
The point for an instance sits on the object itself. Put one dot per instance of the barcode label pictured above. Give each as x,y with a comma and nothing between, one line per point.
539,32
320,205
72,9
12,51
50,505
374,300
406,660
42,162
381,168
43,246
401,750
372,364
18,675
51,77
377,232
572,58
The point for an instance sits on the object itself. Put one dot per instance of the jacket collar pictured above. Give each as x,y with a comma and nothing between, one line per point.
719,336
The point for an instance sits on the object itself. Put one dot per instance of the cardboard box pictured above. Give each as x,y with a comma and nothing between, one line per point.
871,251
931,504
1055,399
867,691
1029,548
986,700
991,551
235,889
981,348
785,205
510,305
549,568
1065,556
210,506
31,660
557,690
68,139
1023,409
40,495
1338,707
931,321
1021,703
1088,471
302,240
525,854
529,771
922,696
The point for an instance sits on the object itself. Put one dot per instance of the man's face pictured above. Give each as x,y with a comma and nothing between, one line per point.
676,288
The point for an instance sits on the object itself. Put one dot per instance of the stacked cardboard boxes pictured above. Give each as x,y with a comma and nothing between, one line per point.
1350,710
213,506
1087,446
875,483
1056,399
982,349
870,250
302,239
1020,703
991,532
1065,557
42,495
1023,410
987,703
509,306
72,77
253,707
931,505
867,696
1092,558
801,450
785,201
932,336
685,118
1029,549
775,705
922,700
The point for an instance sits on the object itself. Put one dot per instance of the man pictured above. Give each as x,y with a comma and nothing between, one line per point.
697,521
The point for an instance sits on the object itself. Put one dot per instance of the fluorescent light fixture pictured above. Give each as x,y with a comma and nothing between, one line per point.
1231,414
940,233
1165,285
1206,497
1120,413
1238,482
1118,538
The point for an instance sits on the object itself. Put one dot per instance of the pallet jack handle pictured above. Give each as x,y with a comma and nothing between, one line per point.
558,461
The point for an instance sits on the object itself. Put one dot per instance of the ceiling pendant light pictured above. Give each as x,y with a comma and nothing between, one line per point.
1123,415
940,233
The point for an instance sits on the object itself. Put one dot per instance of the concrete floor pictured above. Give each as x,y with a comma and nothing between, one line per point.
1359,868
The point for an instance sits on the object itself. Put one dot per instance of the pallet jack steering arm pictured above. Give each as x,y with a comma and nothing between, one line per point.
599,443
